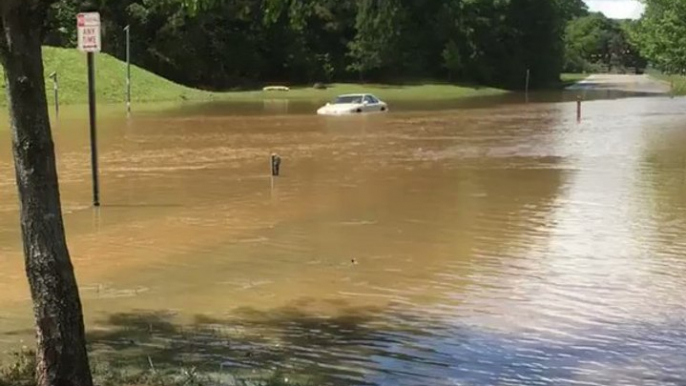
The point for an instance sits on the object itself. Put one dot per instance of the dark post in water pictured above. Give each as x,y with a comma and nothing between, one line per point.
93,129
276,165
578,108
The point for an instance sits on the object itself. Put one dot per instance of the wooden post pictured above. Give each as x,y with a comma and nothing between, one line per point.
276,165
578,108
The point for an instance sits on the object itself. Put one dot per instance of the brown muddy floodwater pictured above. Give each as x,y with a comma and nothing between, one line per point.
501,245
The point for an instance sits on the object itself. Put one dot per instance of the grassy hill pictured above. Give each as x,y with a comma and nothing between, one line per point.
70,66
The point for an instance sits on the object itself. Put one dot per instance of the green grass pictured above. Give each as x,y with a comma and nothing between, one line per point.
568,79
677,82
435,91
70,66
20,371
572,77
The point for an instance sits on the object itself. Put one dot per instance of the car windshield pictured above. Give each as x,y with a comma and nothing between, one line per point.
345,99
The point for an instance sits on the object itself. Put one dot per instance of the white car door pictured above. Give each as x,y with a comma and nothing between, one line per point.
370,104
380,105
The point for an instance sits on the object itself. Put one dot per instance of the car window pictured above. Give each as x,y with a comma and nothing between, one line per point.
373,99
348,99
369,99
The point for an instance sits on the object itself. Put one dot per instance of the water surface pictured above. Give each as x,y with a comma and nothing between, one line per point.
486,244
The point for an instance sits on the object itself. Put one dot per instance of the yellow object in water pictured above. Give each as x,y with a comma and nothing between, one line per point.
276,88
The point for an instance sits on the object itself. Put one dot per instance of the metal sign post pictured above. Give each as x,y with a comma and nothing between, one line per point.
56,90
128,68
88,24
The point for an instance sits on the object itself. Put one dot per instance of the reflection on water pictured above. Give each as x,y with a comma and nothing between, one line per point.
494,245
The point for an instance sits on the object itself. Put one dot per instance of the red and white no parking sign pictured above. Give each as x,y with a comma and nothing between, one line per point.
88,25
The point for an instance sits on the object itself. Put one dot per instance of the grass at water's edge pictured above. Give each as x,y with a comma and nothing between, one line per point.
568,79
676,82
70,66
21,372
414,92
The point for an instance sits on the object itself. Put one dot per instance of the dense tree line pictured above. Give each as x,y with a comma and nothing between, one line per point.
595,43
226,43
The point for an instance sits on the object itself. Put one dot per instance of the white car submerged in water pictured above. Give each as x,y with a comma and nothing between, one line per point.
354,104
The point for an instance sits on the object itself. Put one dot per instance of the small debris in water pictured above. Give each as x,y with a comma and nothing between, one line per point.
353,261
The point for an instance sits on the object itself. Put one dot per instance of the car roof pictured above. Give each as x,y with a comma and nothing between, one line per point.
353,95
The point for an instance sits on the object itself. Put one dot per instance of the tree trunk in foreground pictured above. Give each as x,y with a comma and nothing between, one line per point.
61,344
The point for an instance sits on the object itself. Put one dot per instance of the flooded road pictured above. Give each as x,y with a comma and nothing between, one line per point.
627,83
500,245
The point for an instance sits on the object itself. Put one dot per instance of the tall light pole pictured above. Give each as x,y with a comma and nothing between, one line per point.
128,68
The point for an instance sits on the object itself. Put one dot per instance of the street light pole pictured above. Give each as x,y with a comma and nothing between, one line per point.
128,68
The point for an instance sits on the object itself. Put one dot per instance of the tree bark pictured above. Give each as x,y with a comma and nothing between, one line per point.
61,344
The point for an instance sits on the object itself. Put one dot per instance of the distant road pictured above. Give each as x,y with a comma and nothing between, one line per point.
628,83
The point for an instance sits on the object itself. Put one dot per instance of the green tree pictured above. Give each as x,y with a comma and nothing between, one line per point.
538,30
661,34
594,41
587,42
572,9
631,56
61,343
60,29
452,60
377,35
454,31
